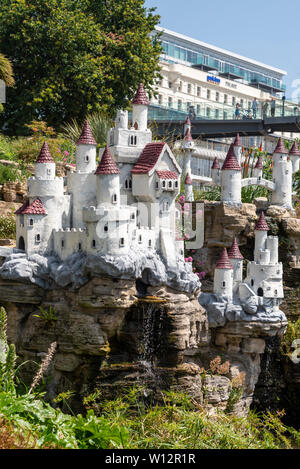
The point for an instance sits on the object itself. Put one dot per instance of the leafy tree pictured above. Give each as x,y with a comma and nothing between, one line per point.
6,72
73,57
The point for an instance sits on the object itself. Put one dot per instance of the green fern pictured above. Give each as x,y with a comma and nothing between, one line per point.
8,357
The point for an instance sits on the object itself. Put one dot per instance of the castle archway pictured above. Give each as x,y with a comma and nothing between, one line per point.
260,292
21,243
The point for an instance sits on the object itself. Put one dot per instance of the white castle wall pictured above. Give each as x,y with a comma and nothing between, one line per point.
272,245
295,163
282,177
140,116
216,176
267,277
86,158
237,265
45,171
231,186
108,189
260,243
223,282
82,186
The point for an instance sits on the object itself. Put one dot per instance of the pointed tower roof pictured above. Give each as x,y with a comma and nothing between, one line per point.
259,164
216,164
188,180
45,155
261,225
280,147
141,96
107,164
35,208
224,261
86,137
234,252
188,136
188,121
231,163
295,150
237,142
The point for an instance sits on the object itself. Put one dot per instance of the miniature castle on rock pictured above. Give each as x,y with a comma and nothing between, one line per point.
127,202
229,177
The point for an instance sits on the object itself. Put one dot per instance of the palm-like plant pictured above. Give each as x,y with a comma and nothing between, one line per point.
100,126
6,71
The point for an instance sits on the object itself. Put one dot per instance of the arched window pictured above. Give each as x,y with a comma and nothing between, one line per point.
224,284
170,184
37,238
21,243
31,222
260,292
106,228
164,183
130,184
114,198
79,246
150,243
252,282
93,243
140,239
62,244
122,242
87,158
126,184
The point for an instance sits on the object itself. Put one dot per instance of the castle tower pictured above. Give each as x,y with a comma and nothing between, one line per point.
140,105
86,149
187,146
45,166
188,188
216,172
121,121
261,235
223,276
294,157
282,176
237,147
231,178
187,125
236,260
108,181
258,168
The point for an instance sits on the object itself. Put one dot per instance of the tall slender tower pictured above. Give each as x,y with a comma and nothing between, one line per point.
223,276
261,236
295,157
108,181
216,172
231,178
237,147
188,188
258,168
236,260
140,106
282,176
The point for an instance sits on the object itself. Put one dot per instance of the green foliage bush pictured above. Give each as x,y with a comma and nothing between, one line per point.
8,173
8,226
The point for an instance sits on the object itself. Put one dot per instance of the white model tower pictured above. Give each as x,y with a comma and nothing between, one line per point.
108,181
140,105
237,148
216,172
86,149
261,236
188,147
188,188
295,157
231,178
282,176
236,260
258,168
223,276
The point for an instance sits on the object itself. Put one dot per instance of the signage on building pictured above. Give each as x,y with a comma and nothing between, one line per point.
231,85
214,80
2,91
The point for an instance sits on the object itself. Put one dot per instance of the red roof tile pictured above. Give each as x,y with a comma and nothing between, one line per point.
188,136
107,164
237,142
45,155
261,225
259,164
166,175
20,209
231,163
280,147
188,180
234,252
216,164
295,150
35,208
141,96
148,158
86,137
224,261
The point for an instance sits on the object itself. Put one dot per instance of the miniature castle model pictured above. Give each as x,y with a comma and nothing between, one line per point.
263,283
127,202
229,177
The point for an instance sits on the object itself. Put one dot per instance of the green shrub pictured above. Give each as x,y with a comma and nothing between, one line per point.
8,226
7,173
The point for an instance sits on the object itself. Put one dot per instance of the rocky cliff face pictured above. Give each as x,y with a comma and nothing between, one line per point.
139,323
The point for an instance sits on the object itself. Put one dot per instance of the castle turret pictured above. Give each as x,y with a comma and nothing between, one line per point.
261,235
45,165
140,105
231,178
258,168
223,276
237,147
295,157
108,181
236,260
86,149
188,188
121,121
282,176
216,172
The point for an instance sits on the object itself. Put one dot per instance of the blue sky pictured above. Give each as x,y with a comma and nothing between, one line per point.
265,30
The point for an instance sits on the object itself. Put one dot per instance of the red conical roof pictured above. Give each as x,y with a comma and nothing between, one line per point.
259,164
237,142
261,225
86,137
141,96
224,261
295,150
234,252
188,136
45,155
107,164
230,161
280,147
35,208
216,164
188,181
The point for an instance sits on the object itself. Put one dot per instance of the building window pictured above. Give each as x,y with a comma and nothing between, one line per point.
140,239
217,96
198,91
233,100
164,183
157,185
93,243
170,84
87,158
208,112
242,103
160,99
179,104
130,184
106,228
114,199
37,238
21,220
170,101
132,216
132,140
198,109
217,113
79,246
49,171
176,184
150,243
224,284
188,105
276,292
225,98
180,86
62,244
31,222
126,184
208,94
170,184
189,88
252,282
122,242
